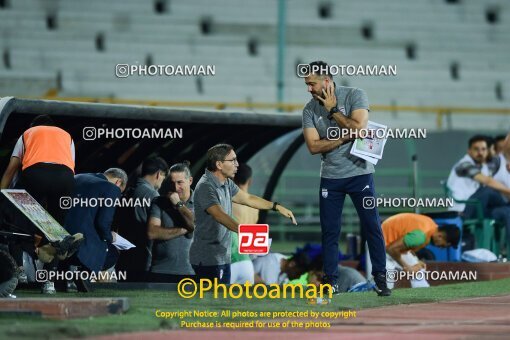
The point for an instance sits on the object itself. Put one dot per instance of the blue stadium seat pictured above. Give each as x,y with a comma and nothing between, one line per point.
450,253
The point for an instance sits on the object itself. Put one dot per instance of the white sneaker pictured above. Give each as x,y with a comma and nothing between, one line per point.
22,276
422,283
48,288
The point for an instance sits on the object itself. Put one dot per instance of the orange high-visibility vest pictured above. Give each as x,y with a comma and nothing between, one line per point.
47,144
397,226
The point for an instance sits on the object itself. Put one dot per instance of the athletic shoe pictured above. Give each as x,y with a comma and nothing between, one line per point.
83,285
8,287
48,288
380,285
79,284
334,286
22,276
362,287
71,287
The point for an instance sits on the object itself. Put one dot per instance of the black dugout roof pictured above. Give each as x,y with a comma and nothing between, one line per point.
247,132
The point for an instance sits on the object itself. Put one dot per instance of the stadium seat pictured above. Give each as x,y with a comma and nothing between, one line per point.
488,232
450,253
175,36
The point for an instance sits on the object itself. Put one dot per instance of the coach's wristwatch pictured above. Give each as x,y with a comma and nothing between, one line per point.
274,206
179,204
332,112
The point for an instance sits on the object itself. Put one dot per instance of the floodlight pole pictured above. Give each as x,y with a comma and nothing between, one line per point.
415,182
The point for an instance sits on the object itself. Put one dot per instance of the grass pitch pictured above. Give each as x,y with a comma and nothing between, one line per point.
144,303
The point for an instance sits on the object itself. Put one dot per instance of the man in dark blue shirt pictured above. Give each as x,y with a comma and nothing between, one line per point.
93,215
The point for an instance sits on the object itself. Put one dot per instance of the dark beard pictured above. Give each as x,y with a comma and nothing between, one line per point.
320,103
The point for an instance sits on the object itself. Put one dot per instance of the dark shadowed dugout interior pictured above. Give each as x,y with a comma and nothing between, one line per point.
247,132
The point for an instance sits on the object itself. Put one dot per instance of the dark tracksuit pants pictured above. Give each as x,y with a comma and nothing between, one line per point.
489,198
493,205
220,272
47,183
332,197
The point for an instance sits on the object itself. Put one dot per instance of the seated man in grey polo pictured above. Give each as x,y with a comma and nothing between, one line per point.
210,252
470,178
170,227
